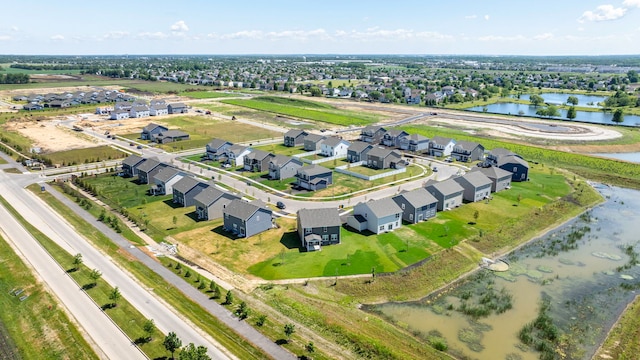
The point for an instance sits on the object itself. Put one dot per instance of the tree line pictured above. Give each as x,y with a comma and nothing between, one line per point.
17,78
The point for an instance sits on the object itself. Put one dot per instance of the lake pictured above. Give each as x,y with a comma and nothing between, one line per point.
595,117
632,156
561,99
581,271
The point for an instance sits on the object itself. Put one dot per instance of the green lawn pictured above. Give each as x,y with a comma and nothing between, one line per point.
305,110
207,94
83,156
280,149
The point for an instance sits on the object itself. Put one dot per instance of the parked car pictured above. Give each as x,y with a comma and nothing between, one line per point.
435,169
131,144
280,205
139,146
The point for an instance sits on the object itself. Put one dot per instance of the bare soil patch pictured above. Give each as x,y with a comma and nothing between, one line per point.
50,136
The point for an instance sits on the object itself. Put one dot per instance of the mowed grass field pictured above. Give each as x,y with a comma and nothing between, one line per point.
202,129
82,156
304,109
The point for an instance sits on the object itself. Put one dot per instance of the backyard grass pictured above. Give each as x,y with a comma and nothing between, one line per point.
305,110
280,149
83,156
184,305
37,327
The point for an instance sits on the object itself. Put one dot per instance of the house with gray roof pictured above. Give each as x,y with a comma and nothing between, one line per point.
380,216
466,151
168,136
283,167
177,108
130,165
217,148
372,134
357,151
383,158
500,178
493,155
210,203
448,192
518,167
236,154
476,186
139,111
417,205
148,169
415,143
313,177
313,142
186,189
441,146
334,146
245,219
149,131
294,137
318,227
164,180
393,137
257,160
158,110
119,115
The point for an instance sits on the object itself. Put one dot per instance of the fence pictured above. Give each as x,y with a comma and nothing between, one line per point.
343,170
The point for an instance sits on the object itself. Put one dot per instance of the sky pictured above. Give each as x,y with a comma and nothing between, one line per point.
460,27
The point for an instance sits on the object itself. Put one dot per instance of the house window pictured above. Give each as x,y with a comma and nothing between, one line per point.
334,237
382,228
398,216
402,206
390,227
307,231
226,216
411,217
324,229
325,238
515,169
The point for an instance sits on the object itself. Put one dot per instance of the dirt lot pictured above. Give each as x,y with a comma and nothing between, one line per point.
50,136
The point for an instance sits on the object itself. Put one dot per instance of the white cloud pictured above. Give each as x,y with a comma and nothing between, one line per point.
57,37
545,36
367,35
502,38
486,17
603,13
474,16
631,3
180,26
14,28
5,37
115,35
152,35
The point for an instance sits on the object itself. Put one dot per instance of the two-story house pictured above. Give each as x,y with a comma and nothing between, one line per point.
393,137
476,186
313,177
149,131
245,219
313,142
186,189
516,165
236,154
465,151
500,178
383,158
372,134
318,227
257,160
334,146
130,165
210,203
358,150
177,108
294,137
283,167
447,192
417,205
415,143
217,148
148,169
377,216
164,180
441,146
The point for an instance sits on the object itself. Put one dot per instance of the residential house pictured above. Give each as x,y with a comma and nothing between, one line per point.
500,178
257,160
130,165
313,177
357,151
476,186
313,142
493,155
393,137
210,203
236,154
217,148
170,136
177,108
383,158
164,180
379,216
318,227
516,165
417,205
32,107
467,151
158,110
119,115
139,111
440,146
150,131
148,169
283,167
186,189
334,146
294,137
372,134
245,219
448,192
415,97
415,143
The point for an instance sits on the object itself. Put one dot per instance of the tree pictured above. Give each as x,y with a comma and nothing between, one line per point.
261,319
172,343
95,274
549,111
174,220
618,116
228,299
77,261
476,215
289,329
115,296
315,91
191,352
310,347
242,311
573,100
536,100
632,75
571,113
149,327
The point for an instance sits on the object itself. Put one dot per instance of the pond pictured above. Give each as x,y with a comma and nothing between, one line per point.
561,99
632,156
572,282
595,117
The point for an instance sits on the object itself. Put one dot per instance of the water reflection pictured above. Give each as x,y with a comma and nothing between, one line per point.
586,268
